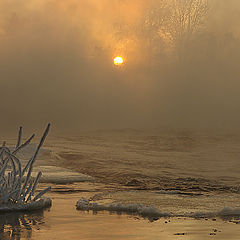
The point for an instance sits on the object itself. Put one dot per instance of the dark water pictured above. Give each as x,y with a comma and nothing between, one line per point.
177,160
20,225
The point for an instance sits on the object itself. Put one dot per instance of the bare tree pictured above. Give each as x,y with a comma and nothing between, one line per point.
150,28
186,19
165,27
187,16
170,25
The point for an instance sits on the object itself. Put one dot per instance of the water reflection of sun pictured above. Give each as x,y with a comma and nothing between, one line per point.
118,61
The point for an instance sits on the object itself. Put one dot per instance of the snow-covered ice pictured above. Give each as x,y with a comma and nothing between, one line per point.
138,209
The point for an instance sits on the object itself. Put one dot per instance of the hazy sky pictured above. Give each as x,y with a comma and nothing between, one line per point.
56,65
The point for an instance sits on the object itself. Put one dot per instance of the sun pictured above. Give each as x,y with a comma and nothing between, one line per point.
118,61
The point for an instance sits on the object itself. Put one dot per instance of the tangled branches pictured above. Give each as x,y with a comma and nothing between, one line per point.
17,186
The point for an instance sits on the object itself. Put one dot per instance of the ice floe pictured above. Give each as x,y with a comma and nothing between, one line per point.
151,212
137,209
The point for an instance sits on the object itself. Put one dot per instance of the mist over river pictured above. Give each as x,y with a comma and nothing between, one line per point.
177,170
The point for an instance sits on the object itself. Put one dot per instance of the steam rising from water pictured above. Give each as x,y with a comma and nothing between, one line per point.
56,65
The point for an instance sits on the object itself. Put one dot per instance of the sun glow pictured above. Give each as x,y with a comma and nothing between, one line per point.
118,61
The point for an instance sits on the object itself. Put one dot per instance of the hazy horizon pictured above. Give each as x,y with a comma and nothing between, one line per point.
56,61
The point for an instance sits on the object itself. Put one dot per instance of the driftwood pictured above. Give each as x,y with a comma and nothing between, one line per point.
17,186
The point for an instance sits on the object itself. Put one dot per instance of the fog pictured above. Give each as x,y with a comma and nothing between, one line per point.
56,64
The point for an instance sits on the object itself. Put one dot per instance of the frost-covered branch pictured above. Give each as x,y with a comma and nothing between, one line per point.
15,187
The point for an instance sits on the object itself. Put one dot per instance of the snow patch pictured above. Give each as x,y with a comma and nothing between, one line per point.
151,211
58,175
137,209
228,211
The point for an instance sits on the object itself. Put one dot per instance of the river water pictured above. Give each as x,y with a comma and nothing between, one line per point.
183,173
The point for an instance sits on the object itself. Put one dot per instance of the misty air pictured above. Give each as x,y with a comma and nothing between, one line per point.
134,105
